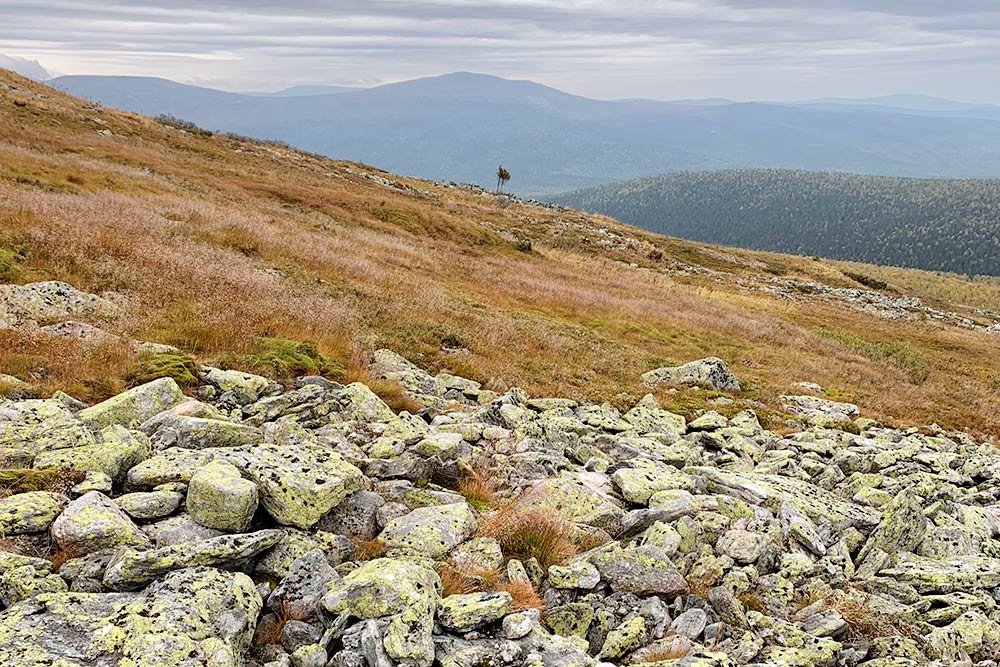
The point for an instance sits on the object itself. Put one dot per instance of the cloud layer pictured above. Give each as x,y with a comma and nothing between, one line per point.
746,49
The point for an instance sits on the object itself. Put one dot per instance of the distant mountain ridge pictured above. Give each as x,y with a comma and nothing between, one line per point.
941,225
460,126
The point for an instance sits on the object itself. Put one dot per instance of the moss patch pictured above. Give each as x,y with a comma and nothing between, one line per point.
25,480
281,358
176,365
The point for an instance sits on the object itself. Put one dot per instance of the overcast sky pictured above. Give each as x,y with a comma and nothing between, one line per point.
742,49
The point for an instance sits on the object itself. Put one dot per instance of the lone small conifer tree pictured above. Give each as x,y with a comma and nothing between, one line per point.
502,177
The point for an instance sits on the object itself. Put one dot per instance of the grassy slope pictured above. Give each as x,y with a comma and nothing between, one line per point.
213,243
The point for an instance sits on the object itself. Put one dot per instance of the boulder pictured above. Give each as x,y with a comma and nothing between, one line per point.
218,497
466,612
712,372
118,451
94,522
132,407
131,569
22,305
201,433
299,480
151,504
404,593
198,617
430,531
644,570
30,512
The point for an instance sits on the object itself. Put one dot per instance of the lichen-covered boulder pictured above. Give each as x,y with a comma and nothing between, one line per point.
430,531
820,411
201,433
643,570
648,417
119,450
465,612
22,577
150,504
131,569
577,502
403,592
38,425
218,497
132,407
93,522
197,617
578,574
236,387
29,512
22,305
711,371
277,562
624,638
299,479
638,484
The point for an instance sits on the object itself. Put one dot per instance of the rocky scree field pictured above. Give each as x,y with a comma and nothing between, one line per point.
256,409
313,526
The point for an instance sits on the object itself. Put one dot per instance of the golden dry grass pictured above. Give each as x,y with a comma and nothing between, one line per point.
525,531
215,243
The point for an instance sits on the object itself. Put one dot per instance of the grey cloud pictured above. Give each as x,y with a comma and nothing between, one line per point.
605,48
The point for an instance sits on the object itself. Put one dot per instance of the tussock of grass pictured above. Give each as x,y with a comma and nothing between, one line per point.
23,480
455,581
479,488
365,550
525,531
176,365
523,595
898,354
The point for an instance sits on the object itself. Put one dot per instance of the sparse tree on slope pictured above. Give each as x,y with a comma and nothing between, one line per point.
502,177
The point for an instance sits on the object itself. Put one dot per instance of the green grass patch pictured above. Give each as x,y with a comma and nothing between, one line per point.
900,355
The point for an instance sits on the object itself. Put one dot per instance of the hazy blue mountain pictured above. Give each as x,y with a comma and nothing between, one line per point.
460,126
948,225
302,91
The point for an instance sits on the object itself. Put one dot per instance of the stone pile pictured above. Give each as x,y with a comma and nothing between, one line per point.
314,527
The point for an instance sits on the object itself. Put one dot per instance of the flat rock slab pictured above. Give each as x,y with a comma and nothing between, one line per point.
773,490
133,569
966,573
197,617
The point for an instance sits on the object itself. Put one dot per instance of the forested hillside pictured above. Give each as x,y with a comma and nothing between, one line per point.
943,225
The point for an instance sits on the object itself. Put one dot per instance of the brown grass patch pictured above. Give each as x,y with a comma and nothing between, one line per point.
525,531
365,550
479,488
523,595
60,556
